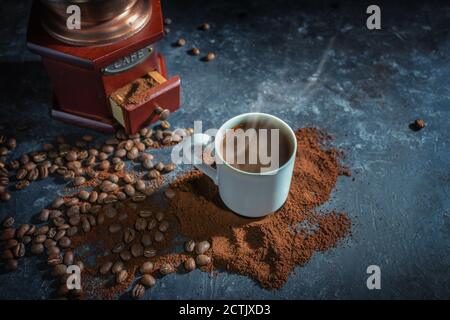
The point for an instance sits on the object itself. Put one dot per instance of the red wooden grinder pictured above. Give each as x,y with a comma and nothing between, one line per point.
113,52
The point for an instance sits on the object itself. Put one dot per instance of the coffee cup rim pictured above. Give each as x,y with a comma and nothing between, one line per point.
243,115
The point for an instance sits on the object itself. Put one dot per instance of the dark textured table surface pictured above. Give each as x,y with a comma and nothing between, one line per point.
312,64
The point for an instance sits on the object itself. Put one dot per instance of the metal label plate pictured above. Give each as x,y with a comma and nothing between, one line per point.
129,61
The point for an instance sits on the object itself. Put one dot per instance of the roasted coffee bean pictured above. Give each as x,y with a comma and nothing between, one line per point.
141,224
133,154
75,220
189,264
7,254
110,211
37,248
55,214
152,224
22,230
65,242
140,185
105,267
138,198
21,174
59,221
181,42
51,233
118,248
159,216
108,186
163,226
5,196
159,166
108,149
78,181
43,216
117,267
204,26
202,247
189,246
129,190
43,172
59,235
54,259
8,222
209,57
11,243
121,196
138,291
59,270
121,276
48,243
145,214
22,185
147,164
4,181
158,236
19,250
11,143
166,268
146,240
7,234
11,265
68,258
33,174
194,51
72,231
114,228
137,250
165,124
101,197
104,165
119,166
419,124
167,140
153,174
93,196
146,267
128,235
58,202
26,240
42,230
85,225
120,153
202,260
71,156
31,231
125,255
39,156
80,265
90,172
150,252
85,207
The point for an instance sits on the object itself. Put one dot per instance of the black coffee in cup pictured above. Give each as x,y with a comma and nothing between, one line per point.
256,146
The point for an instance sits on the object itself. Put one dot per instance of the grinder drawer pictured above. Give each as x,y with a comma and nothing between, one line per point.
134,104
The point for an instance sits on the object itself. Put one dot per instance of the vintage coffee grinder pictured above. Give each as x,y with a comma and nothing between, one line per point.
115,45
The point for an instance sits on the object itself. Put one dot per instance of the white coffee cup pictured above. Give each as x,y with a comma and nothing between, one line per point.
246,193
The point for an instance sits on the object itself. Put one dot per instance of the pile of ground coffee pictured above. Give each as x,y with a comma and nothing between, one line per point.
267,249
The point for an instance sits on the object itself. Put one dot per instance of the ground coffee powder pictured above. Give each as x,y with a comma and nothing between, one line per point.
266,249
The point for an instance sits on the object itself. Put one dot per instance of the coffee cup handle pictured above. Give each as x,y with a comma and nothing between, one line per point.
199,141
